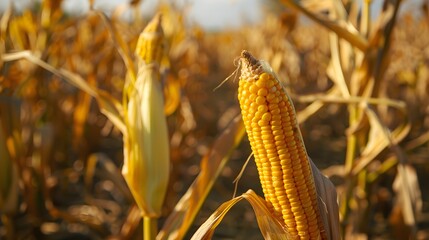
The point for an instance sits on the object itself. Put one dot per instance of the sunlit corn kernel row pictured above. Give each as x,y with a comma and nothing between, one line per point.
280,154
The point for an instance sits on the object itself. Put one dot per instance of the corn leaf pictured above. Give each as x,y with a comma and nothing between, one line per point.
333,96
342,28
408,201
406,185
179,221
109,105
121,45
270,227
379,139
316,104
328,205
336,68
131,223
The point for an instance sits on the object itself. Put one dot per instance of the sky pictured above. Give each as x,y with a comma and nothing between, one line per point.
210,14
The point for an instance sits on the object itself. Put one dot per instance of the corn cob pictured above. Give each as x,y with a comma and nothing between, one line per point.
280,155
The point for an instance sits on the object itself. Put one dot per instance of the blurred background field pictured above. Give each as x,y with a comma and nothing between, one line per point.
61,158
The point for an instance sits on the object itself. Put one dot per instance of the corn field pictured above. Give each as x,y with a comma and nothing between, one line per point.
153,127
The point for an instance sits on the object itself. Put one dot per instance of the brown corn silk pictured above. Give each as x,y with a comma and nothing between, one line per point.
280,155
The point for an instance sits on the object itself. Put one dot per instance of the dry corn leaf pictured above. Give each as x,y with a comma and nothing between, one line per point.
342,28
109,105
316,104
406,186
377,59
111,108
131,223
179,221
332,98
270,227
328,203
336,69
379,139
121,45
408,202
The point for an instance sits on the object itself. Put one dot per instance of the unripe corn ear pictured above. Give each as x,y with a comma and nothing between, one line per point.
146,145
280,155
150,45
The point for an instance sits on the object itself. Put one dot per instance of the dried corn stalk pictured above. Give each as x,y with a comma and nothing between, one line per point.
8,153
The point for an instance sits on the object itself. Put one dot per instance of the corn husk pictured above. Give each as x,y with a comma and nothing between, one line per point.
146,147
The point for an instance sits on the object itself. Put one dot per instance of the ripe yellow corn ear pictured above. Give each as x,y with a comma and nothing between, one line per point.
281,158
146,145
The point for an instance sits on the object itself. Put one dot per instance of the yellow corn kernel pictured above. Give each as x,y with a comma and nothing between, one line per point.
280,154
150,45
